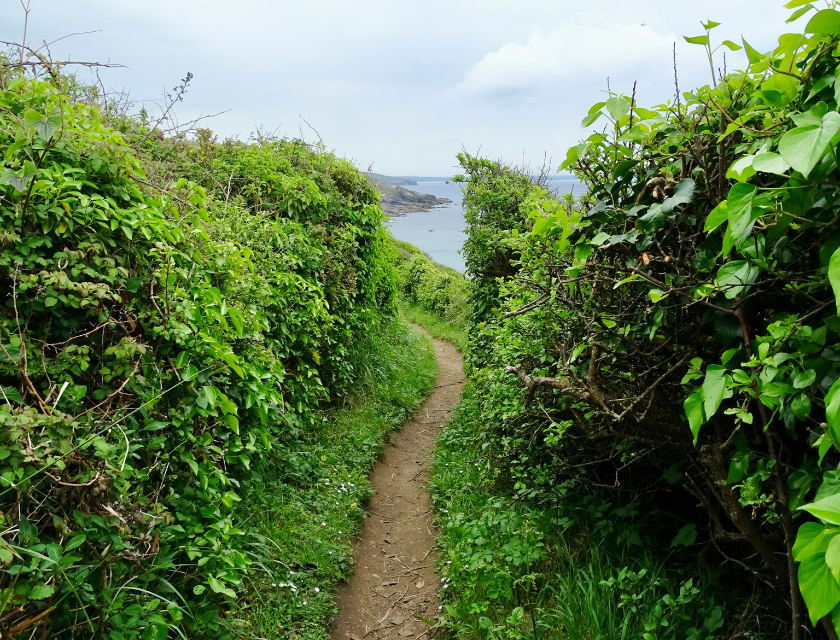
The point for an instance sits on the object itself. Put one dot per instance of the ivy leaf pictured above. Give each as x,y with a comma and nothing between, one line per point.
803,147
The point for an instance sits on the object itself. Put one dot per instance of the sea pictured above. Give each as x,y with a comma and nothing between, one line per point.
440,232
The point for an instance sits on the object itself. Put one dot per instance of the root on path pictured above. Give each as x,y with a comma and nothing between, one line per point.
393,591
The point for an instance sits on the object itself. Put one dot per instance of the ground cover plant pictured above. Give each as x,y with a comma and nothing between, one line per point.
432,295
176,311
673,337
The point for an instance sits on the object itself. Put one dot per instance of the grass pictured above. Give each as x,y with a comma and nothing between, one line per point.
307,504
551,562
454,332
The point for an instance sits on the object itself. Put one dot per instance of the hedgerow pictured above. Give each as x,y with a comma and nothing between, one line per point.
676,330
172,311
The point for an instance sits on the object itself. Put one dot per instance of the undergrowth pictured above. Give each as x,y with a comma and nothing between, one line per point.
306,505
453,331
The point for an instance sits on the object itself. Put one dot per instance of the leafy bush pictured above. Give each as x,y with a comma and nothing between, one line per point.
156,346
675,332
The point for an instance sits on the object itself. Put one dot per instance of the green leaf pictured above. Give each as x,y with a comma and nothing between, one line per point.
717,217
732,45
588,121
801,406
13,395
742,169
752,55
686,536
812,538
41,591
600,239
824,23
769,162
693,406
832,557
683,194
827,509
734,276
45,125
800,12
803,147
819,588
804,379
710,24
701,40
834,276
714,388
75,541
618,108
49,301
796,3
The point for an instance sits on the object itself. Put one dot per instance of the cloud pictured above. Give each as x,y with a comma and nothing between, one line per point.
570,53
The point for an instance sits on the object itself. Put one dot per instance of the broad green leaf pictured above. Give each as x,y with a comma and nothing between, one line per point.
801,406
742,169
812,538
683,194
804,379
618,107
803,147
740,208
824,23
734,276
796,3
819,588
714,388
589,120
710,24
770,162
800,12
686,536
45,125
717,217
832,557
834,276
752,55
12,394
701,40
733,46
600,239
75,541
827,509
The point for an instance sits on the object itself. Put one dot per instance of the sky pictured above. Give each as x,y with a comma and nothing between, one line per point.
395,85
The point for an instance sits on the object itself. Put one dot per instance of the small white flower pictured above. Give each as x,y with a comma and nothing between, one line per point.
317,590
444,586
339,531
440,607
330,554
449,562
323,524
304,602
273,584
443,579
466,566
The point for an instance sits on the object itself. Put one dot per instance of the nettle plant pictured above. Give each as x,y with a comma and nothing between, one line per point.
686,314
153,348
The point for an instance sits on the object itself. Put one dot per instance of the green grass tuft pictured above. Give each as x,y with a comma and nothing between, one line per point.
451,330
306,504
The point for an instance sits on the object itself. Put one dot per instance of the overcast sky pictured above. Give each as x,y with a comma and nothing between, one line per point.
396,84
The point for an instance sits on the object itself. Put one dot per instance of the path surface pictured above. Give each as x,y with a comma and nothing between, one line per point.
394,584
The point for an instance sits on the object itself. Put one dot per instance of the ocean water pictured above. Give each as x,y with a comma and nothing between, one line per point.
440,232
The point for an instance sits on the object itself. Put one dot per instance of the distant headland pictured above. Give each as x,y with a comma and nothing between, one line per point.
398,201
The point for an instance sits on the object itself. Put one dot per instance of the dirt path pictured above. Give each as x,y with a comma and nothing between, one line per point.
394,582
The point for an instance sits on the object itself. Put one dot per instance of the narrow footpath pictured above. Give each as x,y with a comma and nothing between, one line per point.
394,587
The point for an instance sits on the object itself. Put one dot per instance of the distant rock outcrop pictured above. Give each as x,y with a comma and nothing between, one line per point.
398,201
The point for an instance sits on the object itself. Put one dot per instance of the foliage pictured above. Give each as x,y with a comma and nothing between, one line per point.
163,331
441,291
542,560
675,331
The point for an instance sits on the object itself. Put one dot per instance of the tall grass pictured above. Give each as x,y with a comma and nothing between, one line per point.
306,504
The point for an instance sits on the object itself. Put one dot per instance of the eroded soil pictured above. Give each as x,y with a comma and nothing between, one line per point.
394,588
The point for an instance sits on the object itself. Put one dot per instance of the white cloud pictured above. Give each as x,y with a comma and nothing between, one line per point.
568,53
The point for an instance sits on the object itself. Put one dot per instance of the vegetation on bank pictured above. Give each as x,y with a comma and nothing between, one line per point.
176,314
432,295
653,369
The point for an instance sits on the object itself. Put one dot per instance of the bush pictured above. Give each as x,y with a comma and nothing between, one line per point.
674,334
156,345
